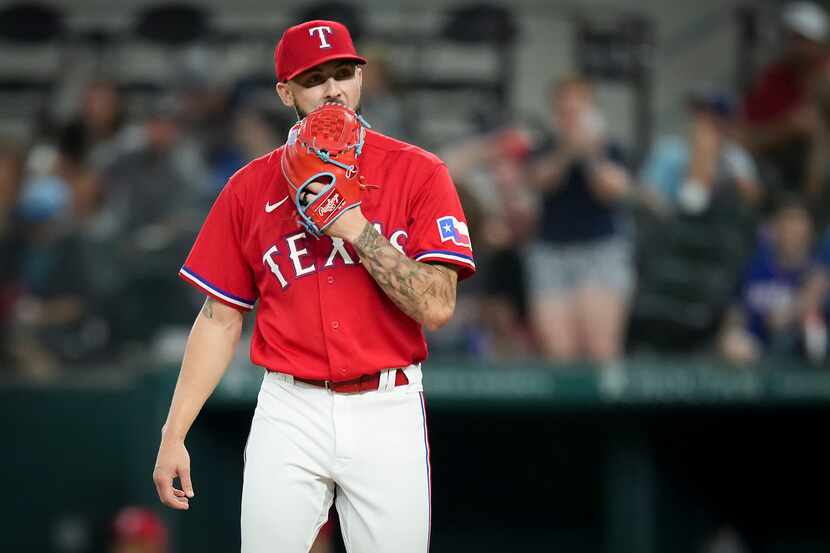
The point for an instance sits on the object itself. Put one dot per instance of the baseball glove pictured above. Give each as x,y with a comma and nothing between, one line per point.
324,148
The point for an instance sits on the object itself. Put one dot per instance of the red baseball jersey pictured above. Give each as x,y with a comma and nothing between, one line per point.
319,313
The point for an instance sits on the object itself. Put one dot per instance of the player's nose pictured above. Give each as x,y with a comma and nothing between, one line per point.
331,90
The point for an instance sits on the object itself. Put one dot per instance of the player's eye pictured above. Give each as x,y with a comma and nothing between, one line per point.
344,73
313,80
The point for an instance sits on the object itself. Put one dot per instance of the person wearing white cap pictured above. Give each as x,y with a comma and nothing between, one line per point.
780,120
807,20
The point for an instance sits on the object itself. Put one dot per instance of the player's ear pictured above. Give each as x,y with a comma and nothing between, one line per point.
285,94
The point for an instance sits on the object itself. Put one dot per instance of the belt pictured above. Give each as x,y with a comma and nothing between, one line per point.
365,383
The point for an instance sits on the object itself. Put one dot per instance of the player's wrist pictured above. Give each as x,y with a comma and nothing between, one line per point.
356,230
171,435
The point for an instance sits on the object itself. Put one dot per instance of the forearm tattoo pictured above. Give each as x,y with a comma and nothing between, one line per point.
416,288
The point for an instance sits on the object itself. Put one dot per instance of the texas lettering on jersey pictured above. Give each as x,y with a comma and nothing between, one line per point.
319,312
340,253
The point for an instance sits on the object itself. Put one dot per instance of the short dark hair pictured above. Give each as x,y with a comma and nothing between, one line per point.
572,80
787,201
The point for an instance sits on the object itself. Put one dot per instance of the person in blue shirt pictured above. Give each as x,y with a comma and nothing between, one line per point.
687,173
816,303
767,315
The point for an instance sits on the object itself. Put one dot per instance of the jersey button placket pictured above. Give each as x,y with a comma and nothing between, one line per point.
332,315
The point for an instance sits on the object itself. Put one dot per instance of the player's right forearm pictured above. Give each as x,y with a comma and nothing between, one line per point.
208,353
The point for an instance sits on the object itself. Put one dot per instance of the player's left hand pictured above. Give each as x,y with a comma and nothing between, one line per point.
325,147
348,226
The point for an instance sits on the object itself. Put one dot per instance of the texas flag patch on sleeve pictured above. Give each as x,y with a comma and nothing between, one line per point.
451,229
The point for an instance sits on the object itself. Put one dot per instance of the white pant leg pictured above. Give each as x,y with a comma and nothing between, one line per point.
287,488
383,496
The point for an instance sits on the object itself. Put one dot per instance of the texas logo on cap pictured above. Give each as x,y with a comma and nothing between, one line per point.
311,43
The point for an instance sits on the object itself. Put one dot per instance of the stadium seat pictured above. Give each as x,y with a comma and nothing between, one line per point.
343,12
173,24
30,37
688,268
30,22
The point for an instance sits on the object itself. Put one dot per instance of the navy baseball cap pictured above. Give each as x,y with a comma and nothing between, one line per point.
714,101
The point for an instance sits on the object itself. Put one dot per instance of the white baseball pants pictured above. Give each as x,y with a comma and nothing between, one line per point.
371,448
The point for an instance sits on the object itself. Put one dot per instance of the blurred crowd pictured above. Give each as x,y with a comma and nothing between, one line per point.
98,210
713,243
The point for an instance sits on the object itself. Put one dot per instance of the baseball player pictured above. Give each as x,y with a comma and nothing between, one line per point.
348,242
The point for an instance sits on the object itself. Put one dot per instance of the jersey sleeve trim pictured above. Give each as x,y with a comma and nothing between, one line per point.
444,255
213,290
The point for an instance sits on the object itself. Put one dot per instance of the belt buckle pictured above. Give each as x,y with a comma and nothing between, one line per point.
327,384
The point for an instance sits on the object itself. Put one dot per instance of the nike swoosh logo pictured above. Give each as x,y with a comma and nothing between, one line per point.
269,207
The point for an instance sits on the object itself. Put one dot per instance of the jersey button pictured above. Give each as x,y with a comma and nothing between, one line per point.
331,280
335,325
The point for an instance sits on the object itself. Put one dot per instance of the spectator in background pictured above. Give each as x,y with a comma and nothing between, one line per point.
380,104
205,116
817,184
153,198
488,173
55,323
159,180
689,173
580,267
767,314
74,167
97,130
51,303
324,542
255,132
11,241
816,302
139,530
780,119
